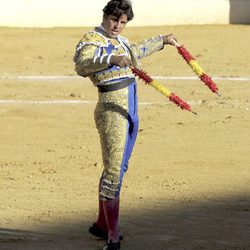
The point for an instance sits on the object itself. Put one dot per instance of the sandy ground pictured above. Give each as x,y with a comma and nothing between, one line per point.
188,186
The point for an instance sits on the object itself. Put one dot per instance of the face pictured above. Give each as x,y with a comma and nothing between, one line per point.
114,26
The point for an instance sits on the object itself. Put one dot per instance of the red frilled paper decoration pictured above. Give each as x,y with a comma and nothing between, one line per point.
197,69
172,97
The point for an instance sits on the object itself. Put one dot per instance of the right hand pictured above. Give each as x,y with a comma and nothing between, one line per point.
170,39
121,61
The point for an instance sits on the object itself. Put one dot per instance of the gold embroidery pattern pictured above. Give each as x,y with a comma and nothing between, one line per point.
111,113
95,38
111,117
147,46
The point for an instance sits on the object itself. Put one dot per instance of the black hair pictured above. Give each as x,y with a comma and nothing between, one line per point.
118,8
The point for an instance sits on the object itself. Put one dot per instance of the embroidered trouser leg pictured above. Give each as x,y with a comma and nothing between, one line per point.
117,123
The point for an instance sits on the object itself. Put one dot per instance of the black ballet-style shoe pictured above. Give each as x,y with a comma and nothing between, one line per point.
112,246
100,233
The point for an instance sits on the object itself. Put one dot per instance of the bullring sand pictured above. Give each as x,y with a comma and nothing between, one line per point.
188,184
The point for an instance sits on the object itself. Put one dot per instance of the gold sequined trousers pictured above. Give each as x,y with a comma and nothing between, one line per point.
116,118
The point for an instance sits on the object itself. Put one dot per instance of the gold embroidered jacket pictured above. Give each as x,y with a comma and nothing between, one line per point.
94,50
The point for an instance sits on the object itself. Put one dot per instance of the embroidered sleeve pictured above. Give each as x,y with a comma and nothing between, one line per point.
147,47
89,57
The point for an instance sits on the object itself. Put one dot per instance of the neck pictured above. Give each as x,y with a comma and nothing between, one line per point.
101,27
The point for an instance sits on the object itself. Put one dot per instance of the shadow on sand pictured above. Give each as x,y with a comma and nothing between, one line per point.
222,224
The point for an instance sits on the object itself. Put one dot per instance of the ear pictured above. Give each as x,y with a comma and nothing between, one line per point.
105,16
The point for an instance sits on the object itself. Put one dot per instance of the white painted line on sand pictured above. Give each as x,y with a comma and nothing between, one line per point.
186,78
46,102
59,102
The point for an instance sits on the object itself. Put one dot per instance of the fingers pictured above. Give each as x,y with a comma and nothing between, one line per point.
121,61
126,62
129,64
174,42
171,39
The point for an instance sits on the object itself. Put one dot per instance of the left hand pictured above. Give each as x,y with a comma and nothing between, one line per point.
170,39
121,61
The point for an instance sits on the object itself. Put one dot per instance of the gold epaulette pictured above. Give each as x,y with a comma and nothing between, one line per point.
94,38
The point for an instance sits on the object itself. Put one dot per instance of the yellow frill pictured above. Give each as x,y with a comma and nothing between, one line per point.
196,67
160,88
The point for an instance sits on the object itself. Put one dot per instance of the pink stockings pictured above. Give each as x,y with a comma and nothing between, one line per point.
108,217
101,220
